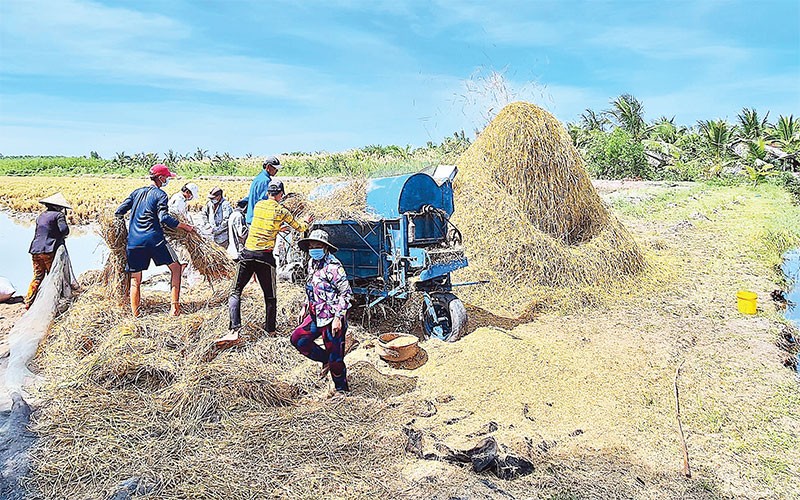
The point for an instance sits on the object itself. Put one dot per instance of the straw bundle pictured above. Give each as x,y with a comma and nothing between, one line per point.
532,221
208,258
115,233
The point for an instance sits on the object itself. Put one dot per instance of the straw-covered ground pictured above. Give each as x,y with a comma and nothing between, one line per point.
587,394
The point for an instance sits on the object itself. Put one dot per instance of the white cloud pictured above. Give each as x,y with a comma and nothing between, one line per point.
665,43
99,43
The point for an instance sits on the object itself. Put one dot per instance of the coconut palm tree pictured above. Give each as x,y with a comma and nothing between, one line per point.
200,154
579,134
786,131
758,168
750,125
150,159
664,129
591,120
171,158
121,160
629,115
717,135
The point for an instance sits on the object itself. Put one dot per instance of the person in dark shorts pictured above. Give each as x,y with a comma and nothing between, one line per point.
146,242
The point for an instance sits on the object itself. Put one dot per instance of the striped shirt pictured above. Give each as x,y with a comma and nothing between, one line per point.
268,216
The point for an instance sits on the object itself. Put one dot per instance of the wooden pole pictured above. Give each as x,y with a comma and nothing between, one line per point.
686,470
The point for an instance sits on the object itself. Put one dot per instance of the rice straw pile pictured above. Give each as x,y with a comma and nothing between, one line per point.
115,233
532,222
346,202
208,258
141,398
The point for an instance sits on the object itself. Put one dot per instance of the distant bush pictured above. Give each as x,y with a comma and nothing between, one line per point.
617,155
790,183
52,165
373,160
690,170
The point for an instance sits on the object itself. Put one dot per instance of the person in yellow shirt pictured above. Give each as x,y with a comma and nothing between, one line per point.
256,257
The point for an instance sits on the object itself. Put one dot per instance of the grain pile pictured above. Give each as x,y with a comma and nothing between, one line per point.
532,222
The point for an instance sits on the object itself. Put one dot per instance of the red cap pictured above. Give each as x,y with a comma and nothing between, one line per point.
161,169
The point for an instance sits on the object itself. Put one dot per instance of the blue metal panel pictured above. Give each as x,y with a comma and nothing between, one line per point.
383,194
442,268
390,197
448,204
420,189
361,247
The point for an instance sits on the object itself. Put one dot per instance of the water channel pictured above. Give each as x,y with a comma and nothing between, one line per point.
86,249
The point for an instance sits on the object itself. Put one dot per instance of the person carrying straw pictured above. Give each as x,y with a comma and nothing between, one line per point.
257,258
328,295
146,242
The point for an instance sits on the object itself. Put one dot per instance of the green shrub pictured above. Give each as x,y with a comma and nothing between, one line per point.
616,155
790,183
690,170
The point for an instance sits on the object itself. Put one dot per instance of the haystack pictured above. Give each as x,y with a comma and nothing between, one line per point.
533,223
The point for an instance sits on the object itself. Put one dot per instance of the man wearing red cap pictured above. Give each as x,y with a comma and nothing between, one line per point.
146,242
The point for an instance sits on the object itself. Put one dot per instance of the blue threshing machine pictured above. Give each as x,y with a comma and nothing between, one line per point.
410,246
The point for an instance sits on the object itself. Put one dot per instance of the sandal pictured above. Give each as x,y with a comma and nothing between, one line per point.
228,341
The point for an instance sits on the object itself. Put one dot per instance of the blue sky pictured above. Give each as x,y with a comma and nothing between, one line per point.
277,76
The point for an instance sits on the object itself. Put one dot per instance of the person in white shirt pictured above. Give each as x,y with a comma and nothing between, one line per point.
178,201
178,207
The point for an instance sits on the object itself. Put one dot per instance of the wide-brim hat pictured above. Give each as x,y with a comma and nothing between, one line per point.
316,235
57,200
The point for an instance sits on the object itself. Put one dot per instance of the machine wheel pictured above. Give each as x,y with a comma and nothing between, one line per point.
452,317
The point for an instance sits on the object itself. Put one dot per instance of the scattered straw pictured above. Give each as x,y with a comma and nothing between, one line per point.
128,397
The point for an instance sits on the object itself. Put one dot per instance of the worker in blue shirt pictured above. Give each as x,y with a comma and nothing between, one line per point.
258,188
146,242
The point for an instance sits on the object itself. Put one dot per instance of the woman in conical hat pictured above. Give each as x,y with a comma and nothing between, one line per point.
51,230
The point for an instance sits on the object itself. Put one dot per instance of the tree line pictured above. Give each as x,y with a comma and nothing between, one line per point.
619,143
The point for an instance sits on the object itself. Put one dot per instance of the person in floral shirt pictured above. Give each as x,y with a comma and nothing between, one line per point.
328,297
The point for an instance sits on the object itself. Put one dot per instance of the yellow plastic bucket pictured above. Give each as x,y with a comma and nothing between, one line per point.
746,302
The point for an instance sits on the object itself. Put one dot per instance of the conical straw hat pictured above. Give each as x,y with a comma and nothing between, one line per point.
57,200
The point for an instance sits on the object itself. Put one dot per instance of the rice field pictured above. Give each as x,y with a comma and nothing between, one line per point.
90,196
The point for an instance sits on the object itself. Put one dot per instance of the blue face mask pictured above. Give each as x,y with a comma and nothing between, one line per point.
316,253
